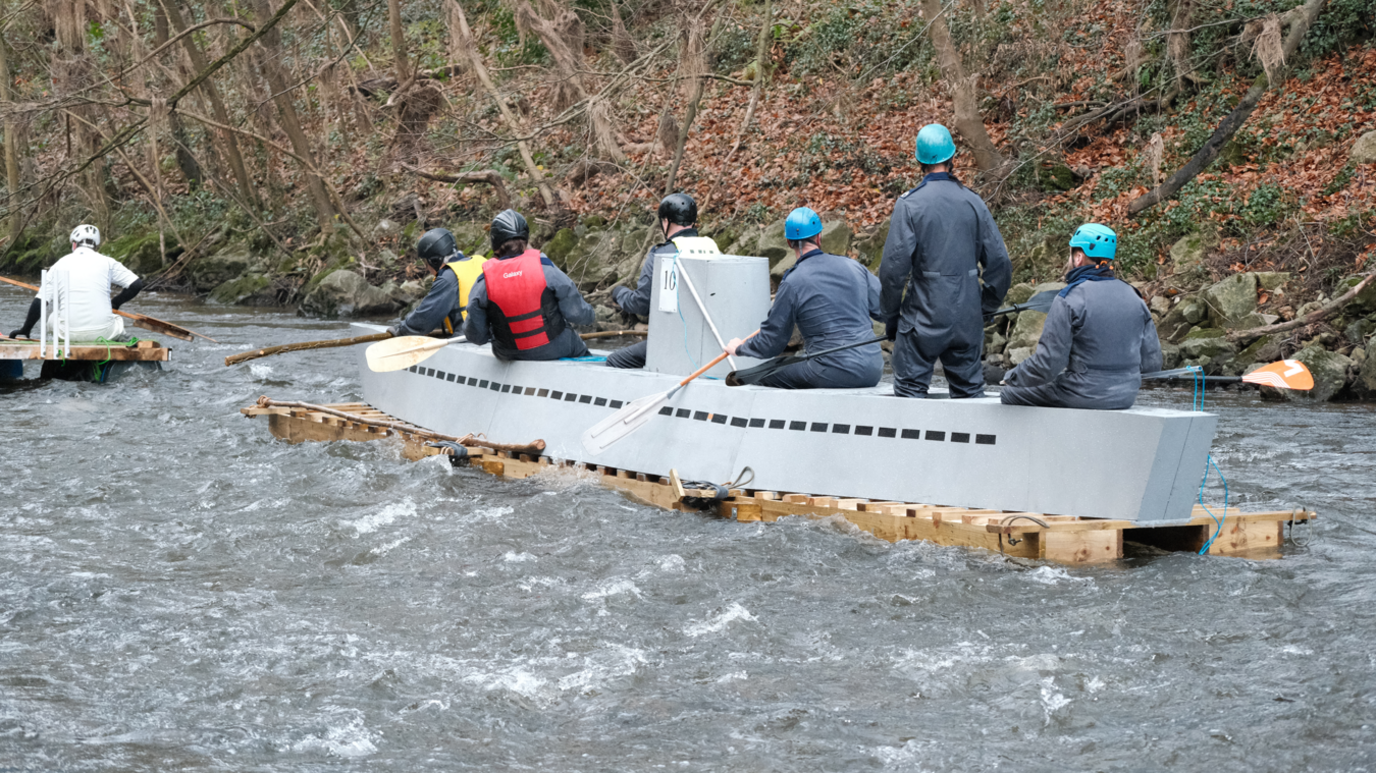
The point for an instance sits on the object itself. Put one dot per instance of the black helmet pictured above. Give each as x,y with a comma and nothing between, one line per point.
679,209
436,246
508,225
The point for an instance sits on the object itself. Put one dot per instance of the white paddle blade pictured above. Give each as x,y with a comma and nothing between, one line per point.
403,352
630,418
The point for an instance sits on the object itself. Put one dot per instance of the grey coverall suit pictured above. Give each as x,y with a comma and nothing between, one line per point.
1098,341
442,301
832,299
940,235
637,301
575,310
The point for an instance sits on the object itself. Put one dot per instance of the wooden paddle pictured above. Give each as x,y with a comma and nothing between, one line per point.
235,359
141,320
637,413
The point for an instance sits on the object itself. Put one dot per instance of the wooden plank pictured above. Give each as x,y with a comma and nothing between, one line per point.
155,353
1082,547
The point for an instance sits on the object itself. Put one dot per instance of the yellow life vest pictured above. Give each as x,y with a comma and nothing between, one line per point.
695,245
468,272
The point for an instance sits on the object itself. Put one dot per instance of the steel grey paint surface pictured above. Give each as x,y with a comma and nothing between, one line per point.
1142,464
736,292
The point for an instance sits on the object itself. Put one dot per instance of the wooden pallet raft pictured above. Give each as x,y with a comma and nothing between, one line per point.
1060,538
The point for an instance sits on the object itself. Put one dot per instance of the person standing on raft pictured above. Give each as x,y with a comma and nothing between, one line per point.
88,276
678,217
522,302
443,307
1098,340
832,300
940,236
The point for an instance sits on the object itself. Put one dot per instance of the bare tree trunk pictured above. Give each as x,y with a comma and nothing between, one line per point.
72,69
546,192
186,161
1178,43
228,143
694,62
761,72
964,90
1300,22
11,147
286,113
398,43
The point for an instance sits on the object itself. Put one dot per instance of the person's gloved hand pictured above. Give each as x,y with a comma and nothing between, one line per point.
19,334
891,329
394,330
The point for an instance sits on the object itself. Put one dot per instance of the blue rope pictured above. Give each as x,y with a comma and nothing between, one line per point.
1209,462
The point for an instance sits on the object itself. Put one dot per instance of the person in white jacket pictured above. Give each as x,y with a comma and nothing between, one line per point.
88,276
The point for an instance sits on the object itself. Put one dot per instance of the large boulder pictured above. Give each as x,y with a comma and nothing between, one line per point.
211,271
1330,375
1188,253
1233,302
1206,344
344,293
1364,150
594,259
1027,330
772,244
559,247
240,291
871,248
1018,293
1366,377
747,244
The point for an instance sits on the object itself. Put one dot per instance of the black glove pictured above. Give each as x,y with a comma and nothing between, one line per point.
891,329
19,334
394,330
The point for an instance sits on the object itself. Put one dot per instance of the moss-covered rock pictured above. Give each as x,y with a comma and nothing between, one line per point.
142,252
1232,303
211,271
1018,293
559,247
1206,343
1027,330
237,290
1189,251
345,293
871,248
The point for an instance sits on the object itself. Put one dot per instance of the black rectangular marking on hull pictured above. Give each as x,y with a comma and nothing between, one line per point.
888,432
840,429
912,434
934,434
960,437
740,421
984,440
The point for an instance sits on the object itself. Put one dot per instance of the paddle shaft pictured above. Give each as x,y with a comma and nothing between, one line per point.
656,403
142,320
235,359
773,366
1040,302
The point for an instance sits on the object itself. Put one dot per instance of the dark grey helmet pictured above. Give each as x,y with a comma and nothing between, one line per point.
436,246
508,225
679,209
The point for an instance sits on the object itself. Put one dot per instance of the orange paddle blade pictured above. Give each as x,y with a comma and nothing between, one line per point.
1286,374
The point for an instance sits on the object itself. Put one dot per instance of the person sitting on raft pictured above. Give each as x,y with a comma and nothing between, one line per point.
88,274
678,217
1098,340
832,300
455,273
522,302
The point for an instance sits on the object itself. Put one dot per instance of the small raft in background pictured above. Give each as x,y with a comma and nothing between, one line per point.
1059,538
97,363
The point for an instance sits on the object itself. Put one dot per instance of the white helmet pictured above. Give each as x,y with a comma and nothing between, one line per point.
86,234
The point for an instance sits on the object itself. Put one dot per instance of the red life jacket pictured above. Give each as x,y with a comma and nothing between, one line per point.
522,309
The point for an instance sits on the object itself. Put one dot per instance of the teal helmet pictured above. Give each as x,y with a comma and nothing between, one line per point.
802,223
934,144
1098,241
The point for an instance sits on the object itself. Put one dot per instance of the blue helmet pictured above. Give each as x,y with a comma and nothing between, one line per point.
1098,241
802,223
934,144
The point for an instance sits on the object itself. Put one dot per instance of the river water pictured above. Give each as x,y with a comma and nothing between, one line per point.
178,590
